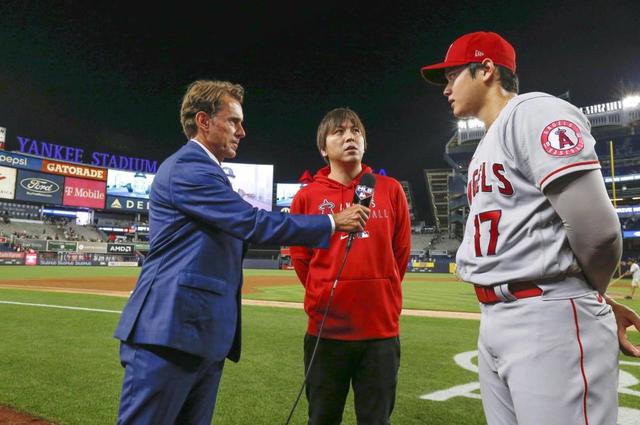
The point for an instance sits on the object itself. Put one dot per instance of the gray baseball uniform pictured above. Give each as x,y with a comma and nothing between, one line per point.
550,359
635,270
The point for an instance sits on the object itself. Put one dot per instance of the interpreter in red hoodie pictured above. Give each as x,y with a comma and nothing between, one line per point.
359,343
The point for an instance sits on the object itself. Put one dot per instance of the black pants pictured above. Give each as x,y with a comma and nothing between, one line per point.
370,366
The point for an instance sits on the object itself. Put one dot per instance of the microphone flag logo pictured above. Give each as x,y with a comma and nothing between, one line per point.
363,192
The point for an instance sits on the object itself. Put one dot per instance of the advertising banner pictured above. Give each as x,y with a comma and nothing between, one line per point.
7,183
62,246
129,184
96,247
83,193
120,248
15,160
83,259
64,262
11,258
48,261
11,254
74,170
254,182
39,187
121,203
31,259
35,244
122,264
11,261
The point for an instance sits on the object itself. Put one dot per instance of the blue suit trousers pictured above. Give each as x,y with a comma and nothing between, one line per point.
164,386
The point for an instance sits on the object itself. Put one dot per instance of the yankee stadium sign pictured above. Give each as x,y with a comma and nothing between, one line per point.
102,159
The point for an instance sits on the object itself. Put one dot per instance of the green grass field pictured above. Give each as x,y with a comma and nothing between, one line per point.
420,291
63,364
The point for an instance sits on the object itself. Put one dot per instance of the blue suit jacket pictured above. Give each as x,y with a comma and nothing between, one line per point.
188,293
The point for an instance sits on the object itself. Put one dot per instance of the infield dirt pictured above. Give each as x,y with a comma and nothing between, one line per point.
119,285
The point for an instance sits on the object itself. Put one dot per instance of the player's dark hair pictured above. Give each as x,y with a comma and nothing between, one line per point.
334,119
508,79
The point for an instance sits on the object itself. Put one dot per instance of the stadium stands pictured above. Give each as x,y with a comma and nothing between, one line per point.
37,229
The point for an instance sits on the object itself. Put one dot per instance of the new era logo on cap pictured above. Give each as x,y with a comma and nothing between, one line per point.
472,47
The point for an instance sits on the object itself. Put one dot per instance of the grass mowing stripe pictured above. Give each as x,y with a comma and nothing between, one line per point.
61,272
62,298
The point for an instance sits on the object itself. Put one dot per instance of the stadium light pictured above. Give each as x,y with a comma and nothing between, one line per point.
631,101
470,124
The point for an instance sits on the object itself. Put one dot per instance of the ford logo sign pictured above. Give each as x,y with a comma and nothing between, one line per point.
38,185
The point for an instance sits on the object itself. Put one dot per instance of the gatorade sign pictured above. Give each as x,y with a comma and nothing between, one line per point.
74,170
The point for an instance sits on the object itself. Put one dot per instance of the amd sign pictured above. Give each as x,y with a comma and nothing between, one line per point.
118,248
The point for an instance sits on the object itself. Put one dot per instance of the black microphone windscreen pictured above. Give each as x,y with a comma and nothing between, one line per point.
364,190
369,180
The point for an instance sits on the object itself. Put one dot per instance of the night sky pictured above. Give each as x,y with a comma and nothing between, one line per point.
111,77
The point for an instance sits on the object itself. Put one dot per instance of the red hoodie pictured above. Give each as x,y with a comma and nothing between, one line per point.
368,299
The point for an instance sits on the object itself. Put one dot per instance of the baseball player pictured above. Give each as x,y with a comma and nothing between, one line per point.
540,245
634,270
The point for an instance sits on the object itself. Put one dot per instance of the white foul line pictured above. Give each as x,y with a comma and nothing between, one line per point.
405,312
64,307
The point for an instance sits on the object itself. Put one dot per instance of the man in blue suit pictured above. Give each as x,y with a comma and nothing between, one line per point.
183,318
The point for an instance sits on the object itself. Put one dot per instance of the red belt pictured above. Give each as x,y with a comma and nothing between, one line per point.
517,290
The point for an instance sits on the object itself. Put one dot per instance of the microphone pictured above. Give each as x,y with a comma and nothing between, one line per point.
363,196
364,190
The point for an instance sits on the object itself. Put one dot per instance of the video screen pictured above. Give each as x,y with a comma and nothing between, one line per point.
254,182
285,193
129,183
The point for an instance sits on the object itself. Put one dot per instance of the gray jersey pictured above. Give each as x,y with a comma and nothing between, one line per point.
512,232
635,270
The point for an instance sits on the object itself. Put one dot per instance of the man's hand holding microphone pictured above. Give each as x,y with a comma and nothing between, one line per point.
352,219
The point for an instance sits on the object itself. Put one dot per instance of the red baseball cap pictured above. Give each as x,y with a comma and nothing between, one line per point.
470,48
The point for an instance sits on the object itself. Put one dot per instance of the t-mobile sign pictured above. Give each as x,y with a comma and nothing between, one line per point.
84,193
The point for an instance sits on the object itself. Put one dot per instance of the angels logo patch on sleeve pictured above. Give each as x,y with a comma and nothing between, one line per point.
562,138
